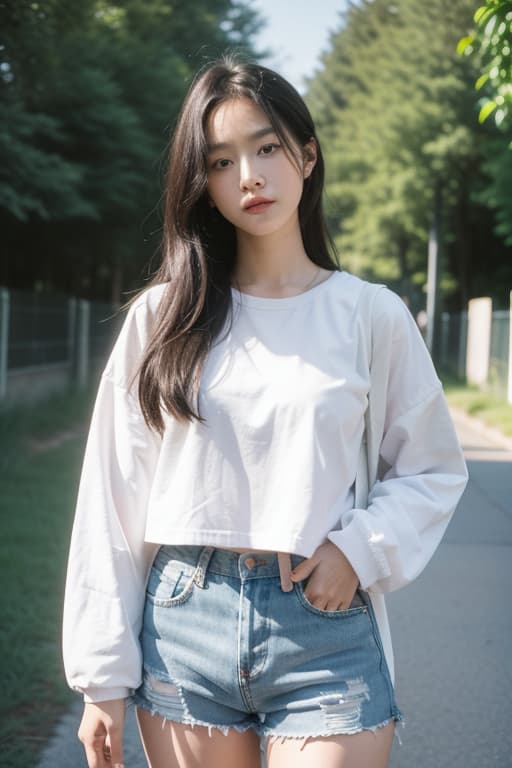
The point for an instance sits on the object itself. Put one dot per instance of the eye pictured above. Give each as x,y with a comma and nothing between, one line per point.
220,163
268,149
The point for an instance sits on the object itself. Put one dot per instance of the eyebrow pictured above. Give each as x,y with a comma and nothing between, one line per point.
256,135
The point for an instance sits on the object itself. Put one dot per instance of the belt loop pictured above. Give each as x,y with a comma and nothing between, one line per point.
285,569
202,565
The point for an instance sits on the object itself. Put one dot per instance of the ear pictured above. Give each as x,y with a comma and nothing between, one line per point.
309,156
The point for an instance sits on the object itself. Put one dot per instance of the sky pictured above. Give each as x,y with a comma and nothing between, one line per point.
298,30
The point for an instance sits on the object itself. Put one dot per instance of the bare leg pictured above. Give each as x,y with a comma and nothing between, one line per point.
370,749
174,745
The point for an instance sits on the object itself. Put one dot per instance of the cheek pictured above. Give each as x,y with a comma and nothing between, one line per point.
219,192
293,178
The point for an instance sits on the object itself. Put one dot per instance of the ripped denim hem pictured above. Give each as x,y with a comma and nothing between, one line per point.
396,717
153,709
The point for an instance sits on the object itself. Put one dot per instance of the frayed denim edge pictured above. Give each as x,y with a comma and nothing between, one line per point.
264,735
397,718
153,710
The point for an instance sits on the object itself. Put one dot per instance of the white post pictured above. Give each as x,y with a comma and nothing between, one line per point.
463,343
479,340
509,389
82,355
432,281
4,340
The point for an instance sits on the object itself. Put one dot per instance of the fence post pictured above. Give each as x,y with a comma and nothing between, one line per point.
509,389
82,352
445,334
4,340
479,340
463,343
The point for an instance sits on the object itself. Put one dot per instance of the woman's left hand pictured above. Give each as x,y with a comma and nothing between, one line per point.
332,583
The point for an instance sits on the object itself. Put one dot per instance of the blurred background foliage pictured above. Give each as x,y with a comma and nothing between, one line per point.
397,113
492,39
90,90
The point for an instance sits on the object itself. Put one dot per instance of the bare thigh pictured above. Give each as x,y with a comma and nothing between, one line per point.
370,749
174,745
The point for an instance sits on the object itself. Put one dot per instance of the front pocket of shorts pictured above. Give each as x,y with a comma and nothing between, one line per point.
171,584
358,605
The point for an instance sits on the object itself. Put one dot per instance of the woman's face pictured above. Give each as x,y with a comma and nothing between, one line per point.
245,161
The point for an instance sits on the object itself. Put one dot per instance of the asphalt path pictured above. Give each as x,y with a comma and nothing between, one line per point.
452,628
452,633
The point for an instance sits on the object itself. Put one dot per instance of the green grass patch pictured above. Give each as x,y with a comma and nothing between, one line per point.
487,406
41,451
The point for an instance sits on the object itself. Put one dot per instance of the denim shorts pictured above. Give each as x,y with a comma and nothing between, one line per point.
225,647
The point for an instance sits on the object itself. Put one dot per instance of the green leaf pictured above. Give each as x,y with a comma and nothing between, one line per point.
487,109
464,42
483,17
480,12
481,81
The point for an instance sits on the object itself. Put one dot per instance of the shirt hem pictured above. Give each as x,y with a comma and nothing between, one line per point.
295,545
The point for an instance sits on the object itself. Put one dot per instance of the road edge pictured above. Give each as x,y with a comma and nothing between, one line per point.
492,434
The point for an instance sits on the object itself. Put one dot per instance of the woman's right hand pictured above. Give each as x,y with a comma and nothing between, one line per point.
101,733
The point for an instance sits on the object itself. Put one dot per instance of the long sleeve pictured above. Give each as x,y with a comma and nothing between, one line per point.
421,470
108,558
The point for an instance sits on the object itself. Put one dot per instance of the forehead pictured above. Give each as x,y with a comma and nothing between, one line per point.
235,120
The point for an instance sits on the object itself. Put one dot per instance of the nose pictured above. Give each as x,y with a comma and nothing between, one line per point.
250,178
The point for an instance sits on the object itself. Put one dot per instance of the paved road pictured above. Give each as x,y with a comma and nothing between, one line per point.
452,629
452,633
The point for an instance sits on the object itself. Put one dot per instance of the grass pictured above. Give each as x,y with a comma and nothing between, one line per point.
486,406
40,462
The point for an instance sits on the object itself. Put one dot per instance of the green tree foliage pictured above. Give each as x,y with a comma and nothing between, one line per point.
492,42
90,90
395,107
491,45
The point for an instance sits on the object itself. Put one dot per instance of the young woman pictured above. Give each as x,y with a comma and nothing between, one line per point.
228,561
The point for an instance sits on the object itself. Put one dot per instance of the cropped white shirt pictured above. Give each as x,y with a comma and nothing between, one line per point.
284,391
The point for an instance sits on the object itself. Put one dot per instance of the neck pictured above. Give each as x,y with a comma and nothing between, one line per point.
272,260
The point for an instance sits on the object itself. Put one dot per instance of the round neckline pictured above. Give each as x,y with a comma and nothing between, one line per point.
281,302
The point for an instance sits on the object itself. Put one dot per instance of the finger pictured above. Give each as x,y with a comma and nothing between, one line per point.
115,738
94,756
303,569
316,599
335,605
93,746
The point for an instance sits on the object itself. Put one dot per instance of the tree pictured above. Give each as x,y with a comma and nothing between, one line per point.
492,42
91,89
396,118
491,46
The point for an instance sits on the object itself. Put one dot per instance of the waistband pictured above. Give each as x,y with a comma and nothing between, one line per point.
249,565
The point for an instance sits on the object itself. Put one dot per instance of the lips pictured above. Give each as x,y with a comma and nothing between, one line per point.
256,201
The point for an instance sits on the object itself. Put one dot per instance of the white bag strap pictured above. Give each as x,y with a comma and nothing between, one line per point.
366,301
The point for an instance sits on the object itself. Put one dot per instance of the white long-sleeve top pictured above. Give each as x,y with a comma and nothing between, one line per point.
284,391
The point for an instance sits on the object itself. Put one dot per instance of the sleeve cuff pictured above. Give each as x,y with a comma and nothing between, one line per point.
357,548
95,695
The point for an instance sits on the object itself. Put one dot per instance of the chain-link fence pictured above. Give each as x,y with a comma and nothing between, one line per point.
499,352
453,356
51,341
454,337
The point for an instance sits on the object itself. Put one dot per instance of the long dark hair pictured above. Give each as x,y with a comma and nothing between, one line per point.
199,244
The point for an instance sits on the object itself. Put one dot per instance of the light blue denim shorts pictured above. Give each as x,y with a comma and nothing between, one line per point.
224,647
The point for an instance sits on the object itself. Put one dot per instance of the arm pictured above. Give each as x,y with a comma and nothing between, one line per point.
422,473
108,558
